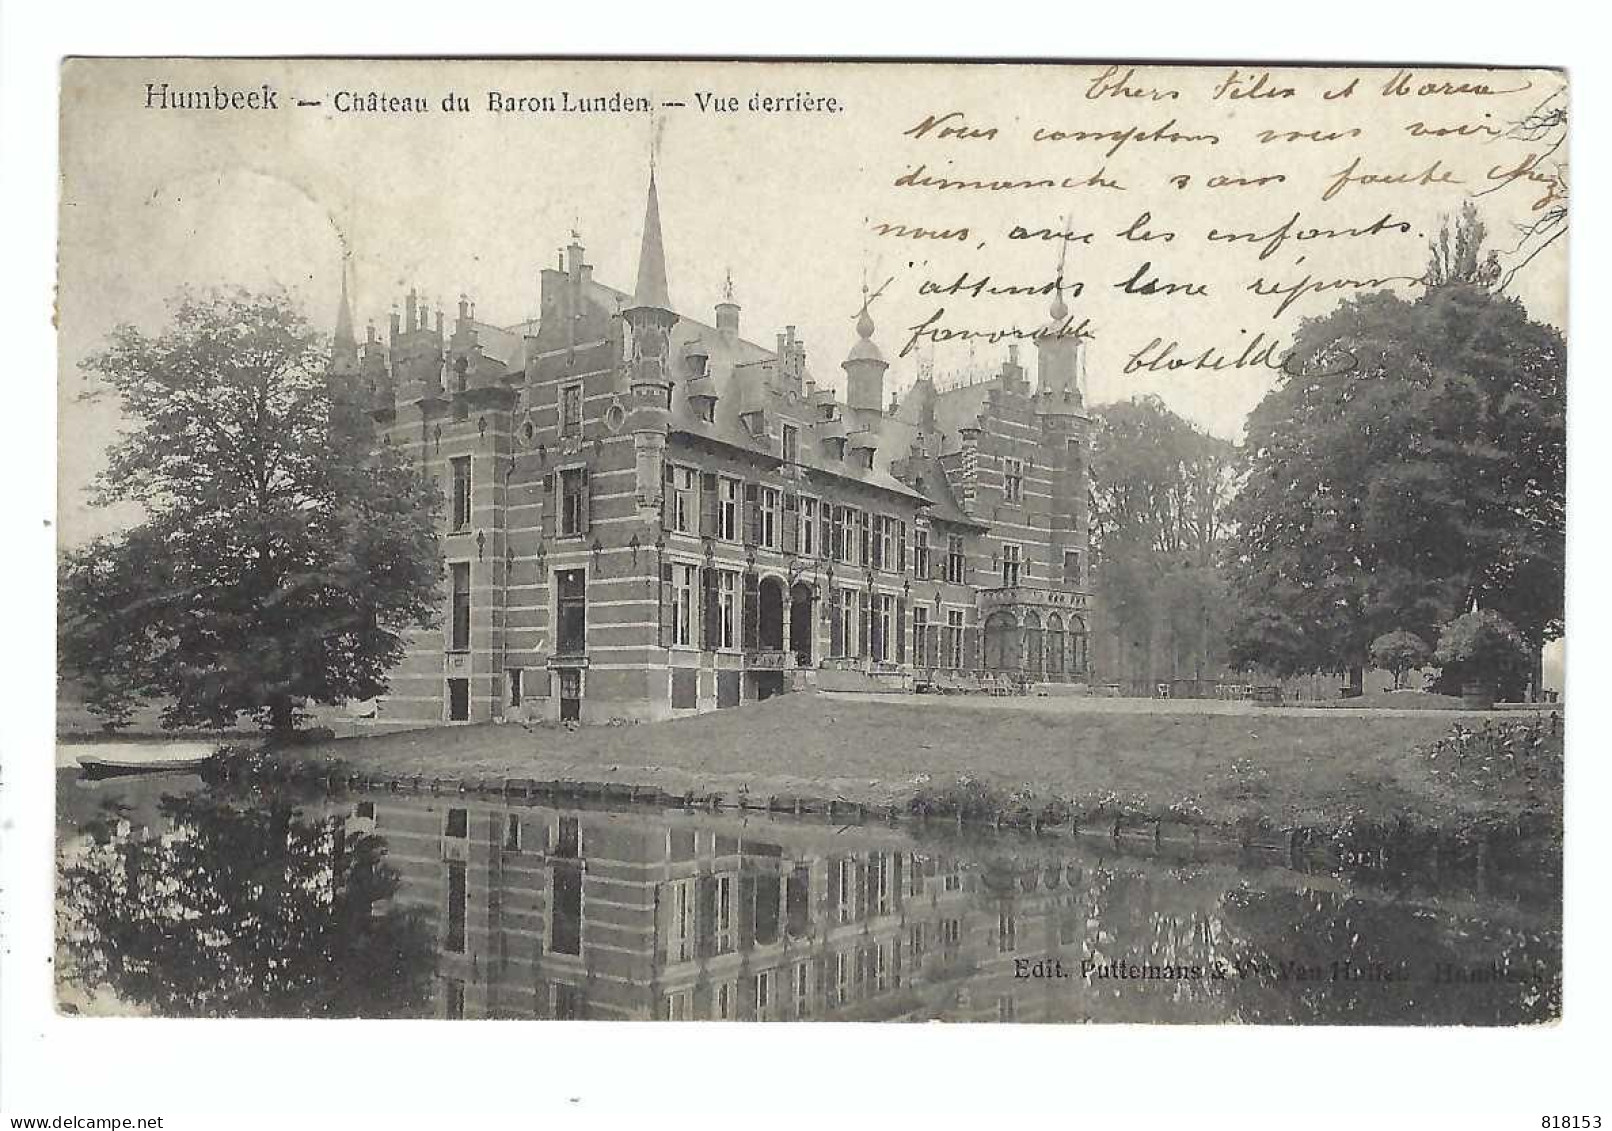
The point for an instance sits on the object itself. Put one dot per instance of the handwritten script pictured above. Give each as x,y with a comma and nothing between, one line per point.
1189,219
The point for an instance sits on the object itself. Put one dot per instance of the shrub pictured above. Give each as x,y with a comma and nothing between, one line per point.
1481,647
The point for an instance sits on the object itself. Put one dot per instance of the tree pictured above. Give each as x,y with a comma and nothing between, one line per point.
1400,652
246,911
1453,254
1159,492
281,559
1412,464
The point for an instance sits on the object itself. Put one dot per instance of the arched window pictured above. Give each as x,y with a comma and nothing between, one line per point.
1055,645
1001,642
1077,646
1033,644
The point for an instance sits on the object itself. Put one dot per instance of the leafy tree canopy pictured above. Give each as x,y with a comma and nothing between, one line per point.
1159,492
1400,652
1413,464
280,559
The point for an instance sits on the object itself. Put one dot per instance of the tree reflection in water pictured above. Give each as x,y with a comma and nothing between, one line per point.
240,910
1326,956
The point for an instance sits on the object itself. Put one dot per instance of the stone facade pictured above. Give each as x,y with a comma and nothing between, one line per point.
647,515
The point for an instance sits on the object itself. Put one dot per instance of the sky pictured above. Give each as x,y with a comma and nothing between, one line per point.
789,203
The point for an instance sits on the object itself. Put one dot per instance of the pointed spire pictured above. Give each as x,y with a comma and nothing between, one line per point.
1060,309
344,313
343,345
651,289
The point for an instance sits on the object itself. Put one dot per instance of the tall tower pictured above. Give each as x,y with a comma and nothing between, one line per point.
1059,354
650,320
864,373
1065,429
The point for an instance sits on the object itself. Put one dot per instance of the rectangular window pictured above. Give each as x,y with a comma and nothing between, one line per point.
572,590
458,901
771,521
727,590
459,628
791,444
954,642
1013,480
728,496
920,636
568,838
512,832
684,618
956,563
848,598
810,527
461,491
752,514
458,700
1012,559
864,536
763,992
1007,932
680,932
884,626
879,882
845,896
566,926
920,553
573,501
722,927
515,686
801,982
571,410
1071,567
457,824
884,543
685,501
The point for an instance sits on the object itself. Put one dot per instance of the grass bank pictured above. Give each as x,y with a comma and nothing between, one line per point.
1327,772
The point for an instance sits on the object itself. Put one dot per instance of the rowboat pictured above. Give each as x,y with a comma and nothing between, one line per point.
103,766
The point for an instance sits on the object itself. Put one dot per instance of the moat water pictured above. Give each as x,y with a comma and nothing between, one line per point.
184,899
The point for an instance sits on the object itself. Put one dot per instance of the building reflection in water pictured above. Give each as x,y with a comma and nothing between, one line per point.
592,914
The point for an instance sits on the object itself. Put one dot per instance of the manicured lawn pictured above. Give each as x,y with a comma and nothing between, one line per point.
1312,769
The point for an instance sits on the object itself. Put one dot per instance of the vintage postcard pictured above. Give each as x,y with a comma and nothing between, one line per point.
763,541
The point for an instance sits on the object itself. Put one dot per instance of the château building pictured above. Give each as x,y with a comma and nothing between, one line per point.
647,514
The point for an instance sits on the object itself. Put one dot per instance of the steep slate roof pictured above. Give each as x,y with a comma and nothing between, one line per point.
651,288
505,344
959,408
